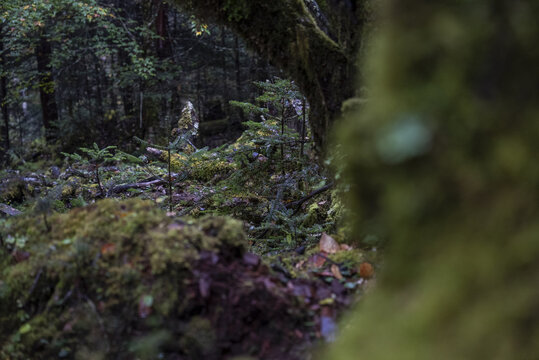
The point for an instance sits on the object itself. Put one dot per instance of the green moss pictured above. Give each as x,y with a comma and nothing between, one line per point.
442,168
72,188
13,191
83,282
199,338
200,168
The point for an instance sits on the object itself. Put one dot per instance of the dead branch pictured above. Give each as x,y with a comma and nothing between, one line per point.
125,187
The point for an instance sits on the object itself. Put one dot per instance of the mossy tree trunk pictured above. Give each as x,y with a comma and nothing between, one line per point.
444,168
287,32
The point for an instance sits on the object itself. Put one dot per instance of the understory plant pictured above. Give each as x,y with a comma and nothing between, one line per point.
95,158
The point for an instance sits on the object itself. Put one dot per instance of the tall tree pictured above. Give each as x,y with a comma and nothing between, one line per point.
4,135
316,50
47,92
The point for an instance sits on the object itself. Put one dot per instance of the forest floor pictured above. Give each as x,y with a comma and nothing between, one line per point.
133,236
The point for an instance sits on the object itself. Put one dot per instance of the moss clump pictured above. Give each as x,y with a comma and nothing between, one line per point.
13,190
120,280
72,188
82,283
202,168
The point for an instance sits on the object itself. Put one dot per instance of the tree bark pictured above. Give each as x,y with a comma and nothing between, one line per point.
47,93
457,201
3,103
286,32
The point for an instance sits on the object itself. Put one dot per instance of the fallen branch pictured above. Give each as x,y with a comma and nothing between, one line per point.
125,187
296,204
8,210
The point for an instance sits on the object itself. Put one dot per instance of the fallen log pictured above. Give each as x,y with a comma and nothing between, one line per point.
8,210
125,187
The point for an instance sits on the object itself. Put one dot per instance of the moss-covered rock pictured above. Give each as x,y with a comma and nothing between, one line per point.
13,190
122,280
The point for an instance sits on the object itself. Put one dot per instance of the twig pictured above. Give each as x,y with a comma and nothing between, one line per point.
296,204
34,284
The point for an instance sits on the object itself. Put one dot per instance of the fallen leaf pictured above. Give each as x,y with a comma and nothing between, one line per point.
317,260
345,247
328,244
366,270
336,272
108,249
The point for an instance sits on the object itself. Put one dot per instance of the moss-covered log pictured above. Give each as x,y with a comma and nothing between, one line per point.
286,32
444,168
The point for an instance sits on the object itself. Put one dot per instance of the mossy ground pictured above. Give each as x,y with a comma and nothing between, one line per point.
121,280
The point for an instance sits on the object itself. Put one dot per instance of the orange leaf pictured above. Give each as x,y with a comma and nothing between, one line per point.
317,260
366,270
108,249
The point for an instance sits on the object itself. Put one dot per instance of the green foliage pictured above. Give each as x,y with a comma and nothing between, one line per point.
97,157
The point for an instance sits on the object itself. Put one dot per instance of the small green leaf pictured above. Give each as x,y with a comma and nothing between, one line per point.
25,328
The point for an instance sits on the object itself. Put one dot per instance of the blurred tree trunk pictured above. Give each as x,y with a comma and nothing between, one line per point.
292,37
443,164
47,94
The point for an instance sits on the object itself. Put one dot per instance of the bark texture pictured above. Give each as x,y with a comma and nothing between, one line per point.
444,167
47,93
287,32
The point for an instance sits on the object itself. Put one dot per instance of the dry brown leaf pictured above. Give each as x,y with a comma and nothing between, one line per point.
108,249
316,260
328,244
366,270
336,272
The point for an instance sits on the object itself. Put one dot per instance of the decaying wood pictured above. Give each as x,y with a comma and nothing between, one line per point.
154,152
125,187
8,210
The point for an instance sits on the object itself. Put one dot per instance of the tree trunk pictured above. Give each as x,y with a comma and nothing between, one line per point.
287,33
3,102
162,44
456,195
47,93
